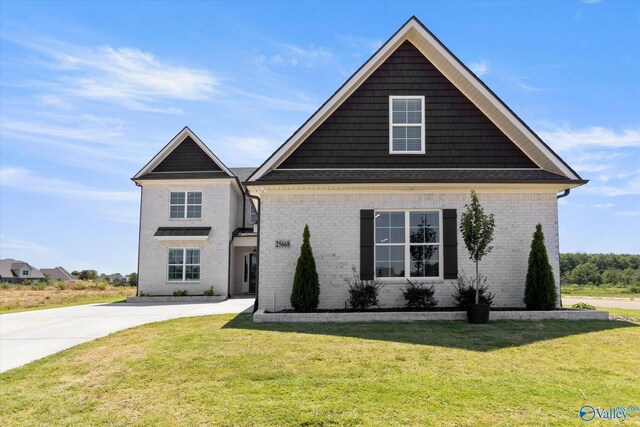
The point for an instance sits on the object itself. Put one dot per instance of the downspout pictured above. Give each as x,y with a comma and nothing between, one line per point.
565,193
139,240
229,269
258,214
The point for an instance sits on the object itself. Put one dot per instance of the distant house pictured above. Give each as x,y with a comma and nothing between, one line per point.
58,273
16,271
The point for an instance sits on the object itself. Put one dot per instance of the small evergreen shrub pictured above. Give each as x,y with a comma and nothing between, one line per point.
540,287
208,292
180,293
465,291
583,306
363,294
419,295
305,294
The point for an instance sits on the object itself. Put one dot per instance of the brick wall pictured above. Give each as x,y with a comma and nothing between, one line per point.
219,211
335,238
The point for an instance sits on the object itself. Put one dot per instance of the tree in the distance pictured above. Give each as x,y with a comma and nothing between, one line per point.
133,279
305,294
540,288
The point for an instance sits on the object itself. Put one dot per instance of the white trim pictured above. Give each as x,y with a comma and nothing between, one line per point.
421,125
414,31
177,140
410,169
407,247
184,265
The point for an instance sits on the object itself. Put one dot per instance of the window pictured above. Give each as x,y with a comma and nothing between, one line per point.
253,216
184,265
407,242
185,204
25,272
406,125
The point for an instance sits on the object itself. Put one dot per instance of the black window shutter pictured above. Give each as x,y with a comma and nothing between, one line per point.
450,241
366,244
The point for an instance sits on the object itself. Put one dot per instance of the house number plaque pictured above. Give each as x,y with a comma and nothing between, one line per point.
283,243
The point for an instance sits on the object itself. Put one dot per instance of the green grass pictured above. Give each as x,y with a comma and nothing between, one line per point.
226,370
67,303
599,291
626,312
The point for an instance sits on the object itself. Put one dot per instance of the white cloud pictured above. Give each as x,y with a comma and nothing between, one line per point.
480,68
531,88
128,76
14,248
24,179
565,137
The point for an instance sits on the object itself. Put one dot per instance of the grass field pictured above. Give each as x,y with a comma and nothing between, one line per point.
14,298
226,370
625,312
599,291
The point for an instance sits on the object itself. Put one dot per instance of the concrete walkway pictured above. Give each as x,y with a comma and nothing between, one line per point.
603,302
31,335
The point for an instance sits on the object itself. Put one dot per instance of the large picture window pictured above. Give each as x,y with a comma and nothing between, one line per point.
185,204
408,244
184,265
406,125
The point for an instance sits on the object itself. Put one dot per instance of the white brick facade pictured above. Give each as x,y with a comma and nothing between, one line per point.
334,223
220,200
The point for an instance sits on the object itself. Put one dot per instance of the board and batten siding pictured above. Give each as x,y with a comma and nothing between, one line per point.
187,156
457,133
335,225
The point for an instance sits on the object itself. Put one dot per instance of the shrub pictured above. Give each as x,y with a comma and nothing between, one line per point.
133,279
101,286
208,292
583,306
179,293
635,289
37,286
362,293
419,295
79,286
586,274
465,291
305,294
88,275
540,287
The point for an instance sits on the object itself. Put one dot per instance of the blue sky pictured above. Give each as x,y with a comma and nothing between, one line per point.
91,91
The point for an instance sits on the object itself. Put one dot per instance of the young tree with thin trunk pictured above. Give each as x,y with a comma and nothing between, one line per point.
477,232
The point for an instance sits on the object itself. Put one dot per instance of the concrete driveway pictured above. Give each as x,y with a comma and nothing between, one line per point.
603,302
31,335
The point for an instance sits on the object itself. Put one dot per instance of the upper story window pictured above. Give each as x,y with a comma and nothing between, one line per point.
408,244
406,125
185,204
25,272
253,216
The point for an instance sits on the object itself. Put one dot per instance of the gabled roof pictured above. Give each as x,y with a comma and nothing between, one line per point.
184,157
57,273
242,173
459,75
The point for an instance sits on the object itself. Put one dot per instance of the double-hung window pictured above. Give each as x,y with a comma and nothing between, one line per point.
406,125
185,204
408,243
184,265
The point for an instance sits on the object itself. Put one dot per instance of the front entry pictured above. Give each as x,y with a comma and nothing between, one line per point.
249,273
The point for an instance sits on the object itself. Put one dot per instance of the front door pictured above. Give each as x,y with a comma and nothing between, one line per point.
250,269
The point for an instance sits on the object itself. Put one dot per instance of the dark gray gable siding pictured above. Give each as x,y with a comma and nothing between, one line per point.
457,133
187,156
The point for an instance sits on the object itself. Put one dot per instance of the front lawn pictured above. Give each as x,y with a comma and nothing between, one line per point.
226,370
622,312
14,298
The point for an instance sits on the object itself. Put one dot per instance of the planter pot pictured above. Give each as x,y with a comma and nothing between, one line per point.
478,313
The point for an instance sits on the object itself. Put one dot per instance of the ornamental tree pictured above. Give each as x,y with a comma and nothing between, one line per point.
477,232
306,286
540,287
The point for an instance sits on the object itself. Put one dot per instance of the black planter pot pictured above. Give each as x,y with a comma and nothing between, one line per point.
478,313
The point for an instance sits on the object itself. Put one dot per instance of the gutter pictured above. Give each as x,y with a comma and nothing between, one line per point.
139,239
565,193
259,214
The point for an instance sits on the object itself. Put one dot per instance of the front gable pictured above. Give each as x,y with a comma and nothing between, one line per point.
457,133
466,126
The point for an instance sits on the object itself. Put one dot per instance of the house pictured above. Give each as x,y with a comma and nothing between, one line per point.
57,274
15,271
380,173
